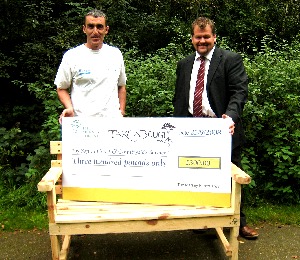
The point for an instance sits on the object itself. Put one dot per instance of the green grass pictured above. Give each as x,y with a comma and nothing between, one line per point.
23,219
22,208
276,214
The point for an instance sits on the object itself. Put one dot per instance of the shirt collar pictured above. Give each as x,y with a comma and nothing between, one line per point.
208,56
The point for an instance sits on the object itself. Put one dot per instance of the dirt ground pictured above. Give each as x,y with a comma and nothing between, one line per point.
275,242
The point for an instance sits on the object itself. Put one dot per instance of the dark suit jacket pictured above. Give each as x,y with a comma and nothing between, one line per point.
227,88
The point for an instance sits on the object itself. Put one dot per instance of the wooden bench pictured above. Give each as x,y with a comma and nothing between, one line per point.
67,218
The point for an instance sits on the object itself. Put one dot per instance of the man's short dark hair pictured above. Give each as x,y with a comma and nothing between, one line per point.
202,22
95,13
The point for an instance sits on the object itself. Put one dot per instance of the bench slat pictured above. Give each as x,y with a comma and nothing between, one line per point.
78,212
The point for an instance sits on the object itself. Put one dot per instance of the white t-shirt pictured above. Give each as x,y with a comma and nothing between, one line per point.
94,77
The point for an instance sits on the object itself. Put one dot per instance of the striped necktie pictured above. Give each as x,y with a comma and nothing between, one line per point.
197,104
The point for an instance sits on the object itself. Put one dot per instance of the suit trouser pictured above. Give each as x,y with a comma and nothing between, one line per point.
236,159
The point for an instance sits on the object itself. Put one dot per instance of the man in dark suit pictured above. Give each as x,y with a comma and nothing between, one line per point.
225,90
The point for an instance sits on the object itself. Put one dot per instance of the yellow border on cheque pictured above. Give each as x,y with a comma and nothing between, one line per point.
148,196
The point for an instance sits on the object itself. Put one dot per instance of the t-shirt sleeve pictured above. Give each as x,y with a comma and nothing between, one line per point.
122,77
63,77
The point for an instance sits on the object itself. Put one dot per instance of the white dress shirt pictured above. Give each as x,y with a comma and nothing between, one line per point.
206,109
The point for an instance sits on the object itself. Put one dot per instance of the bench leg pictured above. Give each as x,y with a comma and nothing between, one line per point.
226,245
55,246
65,247
234,243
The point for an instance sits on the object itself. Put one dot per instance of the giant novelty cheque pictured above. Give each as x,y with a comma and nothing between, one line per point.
162,160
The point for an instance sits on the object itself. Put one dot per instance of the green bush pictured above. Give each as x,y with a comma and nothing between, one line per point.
151,81
272,123
14,145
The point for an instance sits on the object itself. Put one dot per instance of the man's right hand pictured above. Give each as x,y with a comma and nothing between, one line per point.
68,112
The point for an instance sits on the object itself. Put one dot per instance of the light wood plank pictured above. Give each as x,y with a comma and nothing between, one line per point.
234,243
91,212
65,248
239,175
140,225
226,245
48,181
55,246
55,147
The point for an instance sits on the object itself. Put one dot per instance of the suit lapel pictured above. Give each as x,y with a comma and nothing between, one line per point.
215,61
188,71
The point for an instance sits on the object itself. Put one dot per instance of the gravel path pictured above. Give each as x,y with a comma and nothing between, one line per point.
275,242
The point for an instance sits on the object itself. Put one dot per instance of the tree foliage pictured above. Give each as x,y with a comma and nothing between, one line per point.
153,36
272,119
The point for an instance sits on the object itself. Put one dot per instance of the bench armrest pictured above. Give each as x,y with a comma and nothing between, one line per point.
239,175
48,181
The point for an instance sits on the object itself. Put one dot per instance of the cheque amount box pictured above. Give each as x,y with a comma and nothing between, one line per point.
199,162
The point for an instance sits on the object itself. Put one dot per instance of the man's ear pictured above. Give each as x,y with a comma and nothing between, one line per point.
83,28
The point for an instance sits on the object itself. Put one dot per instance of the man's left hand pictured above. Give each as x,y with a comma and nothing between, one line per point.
231,123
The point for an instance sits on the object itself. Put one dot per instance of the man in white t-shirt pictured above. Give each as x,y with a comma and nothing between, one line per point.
91,78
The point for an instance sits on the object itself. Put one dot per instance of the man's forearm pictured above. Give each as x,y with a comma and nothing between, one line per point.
122,98
64,98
